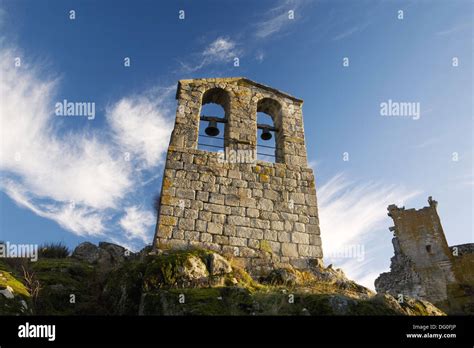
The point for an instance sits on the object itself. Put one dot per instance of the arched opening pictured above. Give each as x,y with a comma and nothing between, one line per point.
215,107
268,115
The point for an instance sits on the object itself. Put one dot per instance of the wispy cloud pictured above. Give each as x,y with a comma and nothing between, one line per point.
456,28
272,25
428,142
278,18
83,221
141,125
136,222
346,33
79,179
353,217
224,49
342,22
352,30
221,50
47,163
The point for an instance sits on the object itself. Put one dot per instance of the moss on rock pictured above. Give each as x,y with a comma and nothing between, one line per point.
14,296
179,268
198,301
189,283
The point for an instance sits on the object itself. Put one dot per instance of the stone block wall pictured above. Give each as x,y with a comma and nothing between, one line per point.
259,212
421,240
424,266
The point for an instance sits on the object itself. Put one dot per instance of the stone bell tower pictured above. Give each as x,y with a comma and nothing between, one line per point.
257,211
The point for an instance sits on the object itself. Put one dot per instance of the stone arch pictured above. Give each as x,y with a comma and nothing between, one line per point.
271,107
218,96
221,97
274,109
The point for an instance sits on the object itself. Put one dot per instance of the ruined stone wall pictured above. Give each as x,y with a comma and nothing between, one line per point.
463,256
259,212
402,278
424,266
461,294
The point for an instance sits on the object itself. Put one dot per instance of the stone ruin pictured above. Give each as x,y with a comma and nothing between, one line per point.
260,213
424,266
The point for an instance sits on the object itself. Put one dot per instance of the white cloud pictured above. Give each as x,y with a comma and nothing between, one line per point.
221,50
142,126
137,222
273,25
354,216
78,179
278,18
224,50
82,221
74,167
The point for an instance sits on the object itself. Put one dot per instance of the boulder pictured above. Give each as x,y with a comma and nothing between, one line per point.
111,256
218,265
7,292
282,276
192,269
329,274
107,255
117,252
87,252
176,269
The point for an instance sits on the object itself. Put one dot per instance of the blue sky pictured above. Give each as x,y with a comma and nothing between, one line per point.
73,179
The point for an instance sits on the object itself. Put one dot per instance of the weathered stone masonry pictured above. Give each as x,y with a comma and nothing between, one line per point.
424,266
254,211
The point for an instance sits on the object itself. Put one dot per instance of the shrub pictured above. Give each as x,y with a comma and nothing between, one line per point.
53,251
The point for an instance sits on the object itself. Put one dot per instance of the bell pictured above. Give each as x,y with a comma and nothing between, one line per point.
212,129
266,135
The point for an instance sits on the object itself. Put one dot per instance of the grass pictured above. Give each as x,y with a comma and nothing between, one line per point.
7,279
152,285
53,251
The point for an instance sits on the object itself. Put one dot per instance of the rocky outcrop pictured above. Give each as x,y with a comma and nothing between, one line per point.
175,283
218,265
106,256
87,252
190,282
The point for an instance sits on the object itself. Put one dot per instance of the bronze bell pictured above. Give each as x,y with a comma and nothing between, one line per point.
266,135
212,129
